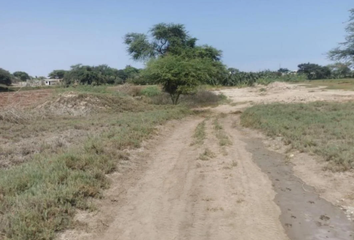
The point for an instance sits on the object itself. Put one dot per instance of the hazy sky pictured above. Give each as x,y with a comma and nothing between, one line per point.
38,36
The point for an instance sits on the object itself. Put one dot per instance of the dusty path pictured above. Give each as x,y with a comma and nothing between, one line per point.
180,196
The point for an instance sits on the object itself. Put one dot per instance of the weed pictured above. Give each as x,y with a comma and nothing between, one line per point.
224,140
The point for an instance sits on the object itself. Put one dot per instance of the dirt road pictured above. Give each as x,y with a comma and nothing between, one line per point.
174,189
180,196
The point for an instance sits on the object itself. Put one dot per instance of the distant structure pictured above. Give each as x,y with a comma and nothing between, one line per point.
52,82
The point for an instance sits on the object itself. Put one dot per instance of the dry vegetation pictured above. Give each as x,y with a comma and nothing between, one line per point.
199,134
344,84
220,133
323,128
54,156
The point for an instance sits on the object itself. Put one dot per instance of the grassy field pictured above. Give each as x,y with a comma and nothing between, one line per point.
39,195
322,128
345,84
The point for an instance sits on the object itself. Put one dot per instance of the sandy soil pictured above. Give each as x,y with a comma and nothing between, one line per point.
286,93
242,191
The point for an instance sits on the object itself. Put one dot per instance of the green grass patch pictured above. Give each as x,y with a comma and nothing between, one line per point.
39,198
322,128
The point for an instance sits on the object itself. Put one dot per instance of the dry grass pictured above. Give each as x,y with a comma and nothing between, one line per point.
344,84
321,128
207,155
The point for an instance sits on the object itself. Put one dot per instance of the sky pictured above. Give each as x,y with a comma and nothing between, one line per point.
39,36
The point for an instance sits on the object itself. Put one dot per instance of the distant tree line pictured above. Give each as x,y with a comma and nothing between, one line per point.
95,75
214,72
78,74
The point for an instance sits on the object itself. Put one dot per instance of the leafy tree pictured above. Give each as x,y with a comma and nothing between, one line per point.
81,74
164,38
128,72
5,77
314,71
179,75
23,76
176,61
346,49
57,74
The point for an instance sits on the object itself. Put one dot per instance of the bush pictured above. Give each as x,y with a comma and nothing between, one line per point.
150,91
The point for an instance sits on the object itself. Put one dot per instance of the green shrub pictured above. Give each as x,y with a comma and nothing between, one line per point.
150,91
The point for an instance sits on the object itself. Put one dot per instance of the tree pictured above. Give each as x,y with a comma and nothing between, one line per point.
340,70
314,71
5,77
346,49
128,72
179,75
23,76
165,38
283,70
92,75
80,74
176,61
57,74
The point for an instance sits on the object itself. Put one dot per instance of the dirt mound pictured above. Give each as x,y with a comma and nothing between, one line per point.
82,104
279,86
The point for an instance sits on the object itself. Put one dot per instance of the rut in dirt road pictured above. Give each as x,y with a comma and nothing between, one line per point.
183,195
